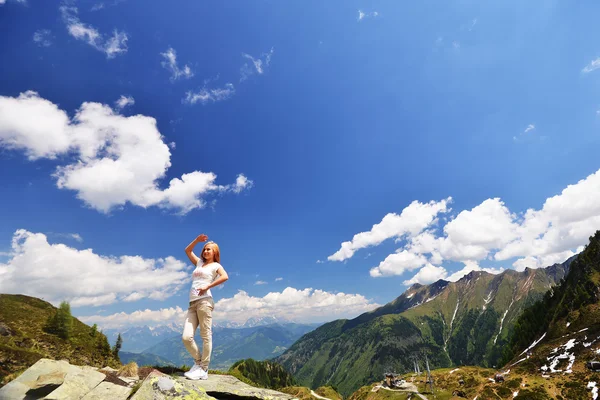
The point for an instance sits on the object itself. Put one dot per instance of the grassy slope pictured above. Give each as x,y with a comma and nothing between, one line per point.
25,317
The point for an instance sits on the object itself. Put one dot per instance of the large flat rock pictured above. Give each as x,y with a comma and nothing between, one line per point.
107,390
228,386
77,382
158,386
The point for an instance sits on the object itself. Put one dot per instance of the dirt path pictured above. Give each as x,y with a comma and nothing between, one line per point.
317,396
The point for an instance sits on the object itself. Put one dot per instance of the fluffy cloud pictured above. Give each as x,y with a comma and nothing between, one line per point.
426,275
398,263
256,65
140,317
205,95
121,159
109,45
413,220
469,267
308,305
43,37
537,238
473,233
170,63
592,66
124,101
55,272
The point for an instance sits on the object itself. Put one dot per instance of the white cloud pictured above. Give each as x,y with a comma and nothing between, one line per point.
77,237
258,65
109,45
140,317
426,275
469,267
170,63
537,238
472,234
260,283
241,183
529,128
278,279
564,223
43,37
97,7
308,305
592,66
58,272
2,2
362,15
120,159
398,263
124,101
205,95
414,219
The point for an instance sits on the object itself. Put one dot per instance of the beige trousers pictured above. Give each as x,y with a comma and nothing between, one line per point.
199,313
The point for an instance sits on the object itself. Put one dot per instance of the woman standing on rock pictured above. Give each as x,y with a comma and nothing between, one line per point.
208,274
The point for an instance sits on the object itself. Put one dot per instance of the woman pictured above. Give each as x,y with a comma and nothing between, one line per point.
208,274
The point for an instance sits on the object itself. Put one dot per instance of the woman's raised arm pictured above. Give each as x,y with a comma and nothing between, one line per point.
190,247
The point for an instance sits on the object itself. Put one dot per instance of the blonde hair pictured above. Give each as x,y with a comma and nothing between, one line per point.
216,252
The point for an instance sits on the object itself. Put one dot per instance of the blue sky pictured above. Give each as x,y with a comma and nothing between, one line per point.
337,152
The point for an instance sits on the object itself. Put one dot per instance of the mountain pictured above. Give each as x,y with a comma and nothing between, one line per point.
465,322
571,309
231,345
252,322
138,338
24,339
144,359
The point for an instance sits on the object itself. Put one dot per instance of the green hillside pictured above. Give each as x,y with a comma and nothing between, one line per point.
23,340
572,306
466,322
265,374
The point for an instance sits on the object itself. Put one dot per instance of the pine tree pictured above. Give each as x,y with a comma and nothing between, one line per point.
94,330
117,347
61,323
64,320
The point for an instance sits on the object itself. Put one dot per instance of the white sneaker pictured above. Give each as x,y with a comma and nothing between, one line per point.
192,371
196,372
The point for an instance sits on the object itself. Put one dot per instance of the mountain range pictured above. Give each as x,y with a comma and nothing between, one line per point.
467,322
233,344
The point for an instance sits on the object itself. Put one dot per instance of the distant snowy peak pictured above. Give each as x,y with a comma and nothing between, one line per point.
252,322
260,321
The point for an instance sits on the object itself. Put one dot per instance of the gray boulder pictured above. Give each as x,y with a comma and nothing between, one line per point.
54,380
158,386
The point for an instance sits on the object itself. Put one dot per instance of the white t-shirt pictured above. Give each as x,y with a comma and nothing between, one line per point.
203,275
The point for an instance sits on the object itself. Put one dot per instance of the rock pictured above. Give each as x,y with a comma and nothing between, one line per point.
227,386
107,390
108,369
77,381
52,379
5,330
158,386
